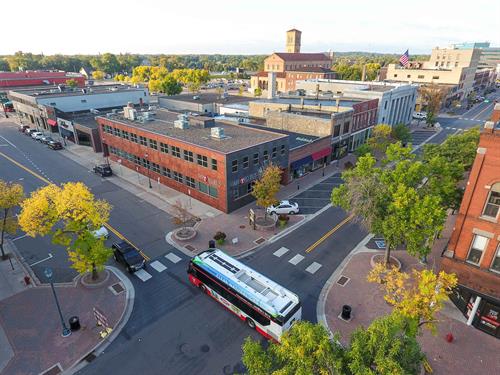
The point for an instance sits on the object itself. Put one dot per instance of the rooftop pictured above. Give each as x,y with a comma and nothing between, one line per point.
361,85
237,137
343,102
86,118
54,92
303,56
206,98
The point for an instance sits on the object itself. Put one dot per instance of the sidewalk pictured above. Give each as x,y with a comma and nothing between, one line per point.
471,349
30,328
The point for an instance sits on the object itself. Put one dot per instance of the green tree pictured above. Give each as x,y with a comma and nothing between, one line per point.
306,349
266,187
401,132
380,138
257,92
4,65
11,196
170,86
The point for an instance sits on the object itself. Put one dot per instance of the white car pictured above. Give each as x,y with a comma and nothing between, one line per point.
284,208
36,135
102,232
419,115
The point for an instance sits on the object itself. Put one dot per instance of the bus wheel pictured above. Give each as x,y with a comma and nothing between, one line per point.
203,288
250,323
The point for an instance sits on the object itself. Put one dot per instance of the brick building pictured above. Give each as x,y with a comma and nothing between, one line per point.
212,161
473,252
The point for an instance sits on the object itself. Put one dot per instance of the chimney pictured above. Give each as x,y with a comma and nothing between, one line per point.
271,85
489,126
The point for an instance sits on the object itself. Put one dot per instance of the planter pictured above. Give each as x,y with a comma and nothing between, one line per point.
266,225
283,223
102,278
220,242
185,234
380,258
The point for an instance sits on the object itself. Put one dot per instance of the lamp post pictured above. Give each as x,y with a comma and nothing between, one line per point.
48,274
147,164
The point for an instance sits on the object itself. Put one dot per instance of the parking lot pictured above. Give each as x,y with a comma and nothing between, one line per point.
317,196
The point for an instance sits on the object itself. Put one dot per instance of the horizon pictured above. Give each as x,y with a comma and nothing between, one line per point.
219,28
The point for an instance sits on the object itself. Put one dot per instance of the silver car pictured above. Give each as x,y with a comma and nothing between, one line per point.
284,208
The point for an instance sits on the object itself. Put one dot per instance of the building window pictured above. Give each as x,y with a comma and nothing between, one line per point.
395,75
133,137
203,187
493,203
178,177
256,158
212,191
266,156
84,100
153,144
214,164
166,172
245,162
495,265
250,187
282,150
346,127
143,140
421,76
236,192
125,135
188,156
408,76
274,153
435,77
164,148
190,182
476,249
385,104
176,151
336,130
202,160
234,166
155,167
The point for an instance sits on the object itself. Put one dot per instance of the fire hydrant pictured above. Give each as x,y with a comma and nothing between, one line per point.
449,337
27,280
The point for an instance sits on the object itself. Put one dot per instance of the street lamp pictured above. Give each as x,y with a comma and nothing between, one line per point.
48,274
147,164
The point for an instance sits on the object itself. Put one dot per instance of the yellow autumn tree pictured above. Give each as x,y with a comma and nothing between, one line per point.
266,187
69,214
417,296
11,196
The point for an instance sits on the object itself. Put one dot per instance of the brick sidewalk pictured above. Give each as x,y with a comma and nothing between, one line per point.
472,349
31,324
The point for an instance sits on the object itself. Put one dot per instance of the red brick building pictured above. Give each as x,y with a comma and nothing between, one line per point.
38,78
473,252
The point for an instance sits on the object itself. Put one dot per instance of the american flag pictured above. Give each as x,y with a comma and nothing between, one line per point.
405,58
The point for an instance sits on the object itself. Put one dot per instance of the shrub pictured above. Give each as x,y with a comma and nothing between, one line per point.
284,218
220,237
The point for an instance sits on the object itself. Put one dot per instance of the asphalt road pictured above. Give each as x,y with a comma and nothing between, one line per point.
316,197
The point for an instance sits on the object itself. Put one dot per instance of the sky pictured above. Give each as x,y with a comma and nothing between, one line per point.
244,27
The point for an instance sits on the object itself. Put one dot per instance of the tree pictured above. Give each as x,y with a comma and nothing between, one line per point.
432,95
257,92
98,74
11,196
181,216
72,83
4,65
387,347
69,214
170,86
401,132
380,138
419,296
306,349
266,187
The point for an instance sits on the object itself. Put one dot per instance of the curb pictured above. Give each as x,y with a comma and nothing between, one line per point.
102,345
171,242
320,306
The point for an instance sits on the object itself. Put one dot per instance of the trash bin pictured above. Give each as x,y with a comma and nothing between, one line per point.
211,244
74,323
346,312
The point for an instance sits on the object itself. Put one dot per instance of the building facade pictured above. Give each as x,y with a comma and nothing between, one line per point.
473,252
490,56
39,78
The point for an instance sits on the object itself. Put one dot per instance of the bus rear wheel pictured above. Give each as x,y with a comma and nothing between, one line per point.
203,288
250,323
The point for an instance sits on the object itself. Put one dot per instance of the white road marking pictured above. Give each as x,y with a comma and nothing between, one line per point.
158,266
43,260
313,268
18,238
143,275
280,252
172,257
448,128
9,142
296,259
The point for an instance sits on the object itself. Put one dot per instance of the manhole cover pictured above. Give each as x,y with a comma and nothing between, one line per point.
190,248
187,350
242,227
205,348
342,280
56,369
258,241
117,288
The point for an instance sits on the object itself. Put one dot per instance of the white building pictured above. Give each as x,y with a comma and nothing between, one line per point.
396,101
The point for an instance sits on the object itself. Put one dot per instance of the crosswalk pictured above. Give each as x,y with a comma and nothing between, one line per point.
296,259
158,266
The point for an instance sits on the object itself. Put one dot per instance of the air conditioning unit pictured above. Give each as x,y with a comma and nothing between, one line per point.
148,116
132,114
182,122
217,132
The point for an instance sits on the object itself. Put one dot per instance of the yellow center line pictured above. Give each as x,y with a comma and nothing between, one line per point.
118,234
329,233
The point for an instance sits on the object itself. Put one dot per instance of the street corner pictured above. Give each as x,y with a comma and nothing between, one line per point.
33,326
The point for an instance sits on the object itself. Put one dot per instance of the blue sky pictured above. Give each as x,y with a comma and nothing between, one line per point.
244,27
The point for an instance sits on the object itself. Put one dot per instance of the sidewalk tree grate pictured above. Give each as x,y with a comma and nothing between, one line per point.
242,227
117,288
90,357
260,240
343,280
190,248
56,369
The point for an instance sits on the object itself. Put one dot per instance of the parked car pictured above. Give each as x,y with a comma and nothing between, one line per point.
28,131
104,170
46,139
125,253
23,128
36,135
419,115
54,145
284,207
102,232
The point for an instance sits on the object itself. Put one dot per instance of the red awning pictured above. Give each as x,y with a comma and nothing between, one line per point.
321,154
51,122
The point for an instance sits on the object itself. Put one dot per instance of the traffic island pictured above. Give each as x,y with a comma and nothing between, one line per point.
31,323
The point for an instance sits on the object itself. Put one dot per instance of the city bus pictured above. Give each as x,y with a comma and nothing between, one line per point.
263,304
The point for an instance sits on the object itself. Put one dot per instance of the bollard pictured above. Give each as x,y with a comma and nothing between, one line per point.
346,312
449,337
211,244
27,280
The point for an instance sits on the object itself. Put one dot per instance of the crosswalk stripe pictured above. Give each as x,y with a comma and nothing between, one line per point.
296,259
448,128
143,275
158,266
172,257
313,268
280,252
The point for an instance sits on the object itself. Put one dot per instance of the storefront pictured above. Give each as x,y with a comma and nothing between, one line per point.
66,130
340,149
301,167
320,158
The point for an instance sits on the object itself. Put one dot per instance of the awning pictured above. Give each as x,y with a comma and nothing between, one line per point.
298,163
321,154
51,122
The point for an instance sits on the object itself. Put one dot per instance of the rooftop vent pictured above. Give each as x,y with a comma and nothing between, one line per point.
148,116
182,122
94,111
217,132
129,113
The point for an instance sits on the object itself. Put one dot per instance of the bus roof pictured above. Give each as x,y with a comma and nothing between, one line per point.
265,293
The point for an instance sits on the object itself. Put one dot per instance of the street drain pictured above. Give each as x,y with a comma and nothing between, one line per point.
90,357
190,248
56,369
343,280
205,348
117,288
258,241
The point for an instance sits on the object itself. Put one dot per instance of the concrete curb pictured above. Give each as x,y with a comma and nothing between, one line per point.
99,348
22,262
320,306
171,242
